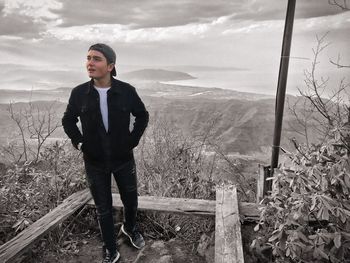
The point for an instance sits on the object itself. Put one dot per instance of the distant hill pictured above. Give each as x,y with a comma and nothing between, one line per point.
203,68
60,94
239,126
19,77
156,75
150,88
242,122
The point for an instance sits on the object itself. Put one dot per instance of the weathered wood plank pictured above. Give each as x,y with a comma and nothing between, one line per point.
263,185
248,211
18,245
260,186
166,204
228,237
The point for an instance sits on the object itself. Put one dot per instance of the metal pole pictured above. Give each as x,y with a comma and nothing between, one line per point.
281,86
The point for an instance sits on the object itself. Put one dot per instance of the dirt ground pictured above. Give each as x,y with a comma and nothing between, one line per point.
90,250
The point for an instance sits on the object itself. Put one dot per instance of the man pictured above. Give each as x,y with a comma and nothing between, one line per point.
103,106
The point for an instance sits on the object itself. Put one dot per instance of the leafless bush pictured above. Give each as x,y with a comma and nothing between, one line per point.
316,112
34,126
173,165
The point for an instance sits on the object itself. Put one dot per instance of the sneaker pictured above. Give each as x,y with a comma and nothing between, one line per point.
135,238
110,258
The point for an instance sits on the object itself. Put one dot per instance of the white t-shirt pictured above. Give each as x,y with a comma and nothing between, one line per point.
103,105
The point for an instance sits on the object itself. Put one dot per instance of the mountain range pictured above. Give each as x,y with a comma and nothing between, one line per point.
239,122
156,75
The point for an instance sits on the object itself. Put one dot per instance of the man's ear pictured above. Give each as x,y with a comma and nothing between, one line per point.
110,67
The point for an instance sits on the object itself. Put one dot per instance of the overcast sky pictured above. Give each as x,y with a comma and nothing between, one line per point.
229,33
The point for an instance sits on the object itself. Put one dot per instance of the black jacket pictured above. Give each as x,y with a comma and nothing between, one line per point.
122,100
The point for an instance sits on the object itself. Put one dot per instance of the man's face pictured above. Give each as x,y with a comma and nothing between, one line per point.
97,65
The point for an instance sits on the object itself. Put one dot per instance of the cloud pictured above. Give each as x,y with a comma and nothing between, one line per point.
18,25
161,32
143,14
159,13
160,19
220,26
38,10
248,27
27,18
329,23
314,24
259,10
120,33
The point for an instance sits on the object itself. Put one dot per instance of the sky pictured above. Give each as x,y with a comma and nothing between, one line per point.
56,34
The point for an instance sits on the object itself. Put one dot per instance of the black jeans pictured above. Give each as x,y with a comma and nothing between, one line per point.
99,180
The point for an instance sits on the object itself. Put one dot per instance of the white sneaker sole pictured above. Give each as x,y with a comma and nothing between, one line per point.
116,259
125,233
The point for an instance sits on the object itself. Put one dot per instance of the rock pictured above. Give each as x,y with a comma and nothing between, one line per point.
206,247
154,252
158,245
165,259
172,251
179,254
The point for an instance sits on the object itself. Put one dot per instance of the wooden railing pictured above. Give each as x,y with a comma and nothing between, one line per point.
20,243
226,209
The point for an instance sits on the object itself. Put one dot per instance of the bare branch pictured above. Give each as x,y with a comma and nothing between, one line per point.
18,120
35,123
338,63
329,113
316,89
342,4
302,116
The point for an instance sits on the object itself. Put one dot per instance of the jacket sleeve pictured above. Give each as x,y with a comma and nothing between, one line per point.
141,117
70,119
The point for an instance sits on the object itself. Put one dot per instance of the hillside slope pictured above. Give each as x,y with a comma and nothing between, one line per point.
240,122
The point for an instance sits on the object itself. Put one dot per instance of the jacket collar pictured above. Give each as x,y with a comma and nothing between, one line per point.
114,86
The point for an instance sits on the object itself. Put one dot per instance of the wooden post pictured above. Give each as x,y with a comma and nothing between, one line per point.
262,184
228,237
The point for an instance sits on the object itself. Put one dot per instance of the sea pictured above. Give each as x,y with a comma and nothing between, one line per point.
242,80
